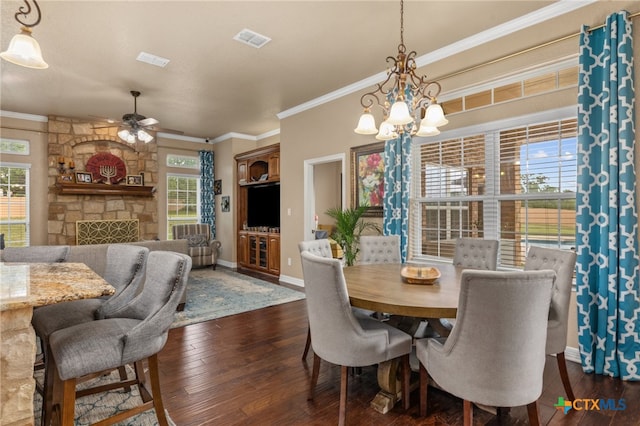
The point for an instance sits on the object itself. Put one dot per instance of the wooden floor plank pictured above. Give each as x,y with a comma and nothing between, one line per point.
245,369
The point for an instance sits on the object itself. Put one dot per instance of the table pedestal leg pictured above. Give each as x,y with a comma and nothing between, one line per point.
389,387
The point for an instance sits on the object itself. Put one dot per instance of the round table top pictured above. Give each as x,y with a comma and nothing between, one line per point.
380,288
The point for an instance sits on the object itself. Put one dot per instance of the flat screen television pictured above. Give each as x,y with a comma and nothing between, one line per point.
263,205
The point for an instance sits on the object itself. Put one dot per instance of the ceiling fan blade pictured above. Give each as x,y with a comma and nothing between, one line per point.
148,122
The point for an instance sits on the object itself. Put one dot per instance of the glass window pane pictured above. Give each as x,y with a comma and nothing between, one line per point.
540,84
477,100
508,92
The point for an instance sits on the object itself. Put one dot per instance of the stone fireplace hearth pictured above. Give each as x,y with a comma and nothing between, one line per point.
78,141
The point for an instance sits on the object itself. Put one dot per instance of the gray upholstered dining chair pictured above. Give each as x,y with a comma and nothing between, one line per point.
563,262
379,249
495,353
35,254
321,248
130,334
340,337
125,269
476,253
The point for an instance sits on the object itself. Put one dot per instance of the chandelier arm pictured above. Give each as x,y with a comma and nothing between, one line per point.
25,13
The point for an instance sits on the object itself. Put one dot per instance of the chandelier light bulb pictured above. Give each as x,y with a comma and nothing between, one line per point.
387,132
426,130
144,136
366,124
399,114
434,116
24,50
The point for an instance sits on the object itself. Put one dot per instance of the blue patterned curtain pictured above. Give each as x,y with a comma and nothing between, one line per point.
397,176
608,270
207,198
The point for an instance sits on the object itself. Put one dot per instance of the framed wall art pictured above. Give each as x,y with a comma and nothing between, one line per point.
367,178
225,204
217,187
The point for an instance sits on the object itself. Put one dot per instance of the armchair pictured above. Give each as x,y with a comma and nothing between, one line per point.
203,250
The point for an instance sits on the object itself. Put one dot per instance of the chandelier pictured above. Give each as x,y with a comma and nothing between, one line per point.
23,49
404,97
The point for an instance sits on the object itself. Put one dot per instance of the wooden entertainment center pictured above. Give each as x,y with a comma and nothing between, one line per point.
259,210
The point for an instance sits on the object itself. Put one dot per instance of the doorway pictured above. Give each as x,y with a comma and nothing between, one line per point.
324,188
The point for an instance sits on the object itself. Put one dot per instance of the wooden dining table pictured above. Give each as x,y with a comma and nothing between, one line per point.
381,288
23,287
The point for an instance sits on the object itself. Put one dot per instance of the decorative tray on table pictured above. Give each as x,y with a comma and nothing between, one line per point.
414,274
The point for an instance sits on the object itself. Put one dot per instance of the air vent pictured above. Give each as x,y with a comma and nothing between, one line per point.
152,59
252,38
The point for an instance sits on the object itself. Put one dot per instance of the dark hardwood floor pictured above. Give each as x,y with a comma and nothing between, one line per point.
246,370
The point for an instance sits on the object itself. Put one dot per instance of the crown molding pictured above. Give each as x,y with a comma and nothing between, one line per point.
549,12
23,116
179,137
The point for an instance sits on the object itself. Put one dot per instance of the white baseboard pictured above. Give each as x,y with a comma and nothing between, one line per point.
292,280
572,354
232,265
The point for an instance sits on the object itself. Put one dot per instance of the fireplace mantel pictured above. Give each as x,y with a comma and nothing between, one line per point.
68,188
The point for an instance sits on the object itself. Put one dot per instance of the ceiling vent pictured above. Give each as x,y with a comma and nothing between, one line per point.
252,38
152,59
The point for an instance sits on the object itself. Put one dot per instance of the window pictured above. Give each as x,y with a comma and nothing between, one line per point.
14,204
14,146
183,161
183,200
516,184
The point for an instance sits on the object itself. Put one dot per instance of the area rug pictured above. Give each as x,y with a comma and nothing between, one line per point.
93,408
220,293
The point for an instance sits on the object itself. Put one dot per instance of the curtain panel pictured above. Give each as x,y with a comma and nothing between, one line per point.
207,197
397,177
608,271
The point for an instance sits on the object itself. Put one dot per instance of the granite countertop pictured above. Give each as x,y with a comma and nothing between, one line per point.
25,285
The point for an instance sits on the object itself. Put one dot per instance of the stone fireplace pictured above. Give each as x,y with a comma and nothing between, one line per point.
77,141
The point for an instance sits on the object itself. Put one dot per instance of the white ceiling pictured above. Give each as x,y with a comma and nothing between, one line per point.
215,85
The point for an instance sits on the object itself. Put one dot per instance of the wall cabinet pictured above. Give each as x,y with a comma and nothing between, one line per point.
258,242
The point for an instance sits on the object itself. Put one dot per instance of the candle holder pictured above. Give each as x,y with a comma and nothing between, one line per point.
66,173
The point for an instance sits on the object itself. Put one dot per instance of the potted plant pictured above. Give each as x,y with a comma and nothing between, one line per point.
348,228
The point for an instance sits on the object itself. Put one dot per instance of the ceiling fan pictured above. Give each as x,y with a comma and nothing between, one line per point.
134,126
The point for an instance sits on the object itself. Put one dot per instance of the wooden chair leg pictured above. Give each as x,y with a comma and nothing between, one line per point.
154,377
468,413
534,417
406,381
141,381
424,381
314,376
564,375
67,401
344,382
307,345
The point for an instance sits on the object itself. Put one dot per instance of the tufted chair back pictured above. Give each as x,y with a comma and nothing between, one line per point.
379,249
564,263
476,253
320,248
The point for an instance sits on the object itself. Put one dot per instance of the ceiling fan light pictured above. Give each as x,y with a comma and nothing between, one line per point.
399,114
366,124
144,136
24,50
434,116
127,136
